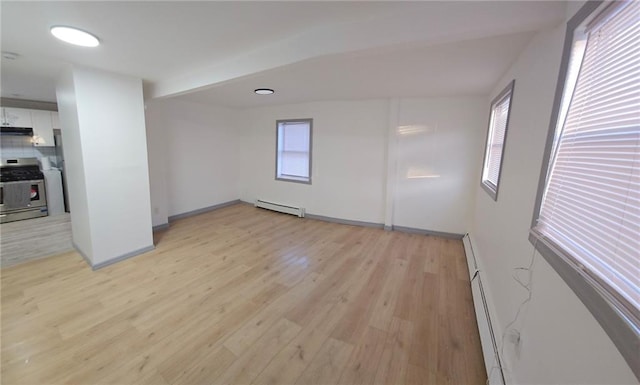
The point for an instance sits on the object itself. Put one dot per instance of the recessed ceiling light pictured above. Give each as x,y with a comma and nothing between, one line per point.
74,36
264,91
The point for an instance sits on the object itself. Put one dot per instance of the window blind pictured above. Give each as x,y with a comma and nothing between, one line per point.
591,205
294,139
500,113
497,131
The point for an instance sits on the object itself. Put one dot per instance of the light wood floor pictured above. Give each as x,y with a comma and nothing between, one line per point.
246,296
35,238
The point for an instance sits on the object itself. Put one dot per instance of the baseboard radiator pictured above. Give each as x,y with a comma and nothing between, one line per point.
297,211
492,361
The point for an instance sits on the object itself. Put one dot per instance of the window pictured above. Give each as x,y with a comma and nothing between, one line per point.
587,218
496,137
293,156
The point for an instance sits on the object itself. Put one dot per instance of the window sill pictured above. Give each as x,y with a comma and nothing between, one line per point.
293,179
623,328
490,189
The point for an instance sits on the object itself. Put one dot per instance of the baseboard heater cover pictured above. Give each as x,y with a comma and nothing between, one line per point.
297,211
492,361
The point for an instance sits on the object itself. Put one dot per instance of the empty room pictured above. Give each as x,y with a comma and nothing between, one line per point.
320,192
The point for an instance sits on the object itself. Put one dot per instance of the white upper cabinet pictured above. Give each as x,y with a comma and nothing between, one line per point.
15,117
42,128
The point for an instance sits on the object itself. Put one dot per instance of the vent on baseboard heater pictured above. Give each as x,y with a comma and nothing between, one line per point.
297,211
492,362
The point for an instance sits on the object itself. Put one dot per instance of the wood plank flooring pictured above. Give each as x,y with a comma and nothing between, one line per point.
246,296
35,238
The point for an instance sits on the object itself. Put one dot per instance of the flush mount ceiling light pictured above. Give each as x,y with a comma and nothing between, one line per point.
263,91
74,36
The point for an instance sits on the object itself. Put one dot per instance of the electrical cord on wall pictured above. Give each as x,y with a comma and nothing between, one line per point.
529,288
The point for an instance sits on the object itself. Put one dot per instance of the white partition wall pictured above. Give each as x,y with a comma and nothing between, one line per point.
407,162
106,157
193,157
74,165
559,340
155,116
436,171
348,158
409,159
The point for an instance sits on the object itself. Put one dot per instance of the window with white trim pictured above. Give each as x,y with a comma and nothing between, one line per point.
587,221
293,150
496,137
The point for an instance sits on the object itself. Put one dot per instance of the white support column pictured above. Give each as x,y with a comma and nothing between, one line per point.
392,161
107,168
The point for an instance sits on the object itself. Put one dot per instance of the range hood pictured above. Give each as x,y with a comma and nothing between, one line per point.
16,131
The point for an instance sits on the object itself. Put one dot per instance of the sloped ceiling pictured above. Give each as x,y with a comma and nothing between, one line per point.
307,50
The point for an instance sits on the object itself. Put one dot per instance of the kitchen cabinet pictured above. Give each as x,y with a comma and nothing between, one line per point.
55,120
15,117
42,128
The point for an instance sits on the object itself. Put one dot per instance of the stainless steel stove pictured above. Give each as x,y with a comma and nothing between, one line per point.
22,191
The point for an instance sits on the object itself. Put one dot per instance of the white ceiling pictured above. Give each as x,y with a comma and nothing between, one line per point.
462,68
306,50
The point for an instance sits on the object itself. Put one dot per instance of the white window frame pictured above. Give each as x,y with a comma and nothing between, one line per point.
485,182
293,178
622,328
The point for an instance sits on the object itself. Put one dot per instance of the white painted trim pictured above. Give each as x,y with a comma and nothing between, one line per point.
344,221
112,260
392,161
282,208
413,230
202,210
488,341
123,257
160,227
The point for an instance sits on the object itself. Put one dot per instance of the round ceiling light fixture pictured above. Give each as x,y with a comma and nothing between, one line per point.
264,91
74,36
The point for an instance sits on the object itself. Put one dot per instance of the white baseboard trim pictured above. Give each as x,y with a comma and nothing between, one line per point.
344,221
160,227
492,361
82,254
413,230
203,210
401,229
112,260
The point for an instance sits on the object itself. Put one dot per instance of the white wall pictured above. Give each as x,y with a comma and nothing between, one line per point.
351,159
106,151
437,171
21,147
201,156
348,168
74,162
158,160
194,159
561,343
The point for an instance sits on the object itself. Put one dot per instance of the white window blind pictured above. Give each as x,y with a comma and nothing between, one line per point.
294,148
495,140
591,205
498,128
